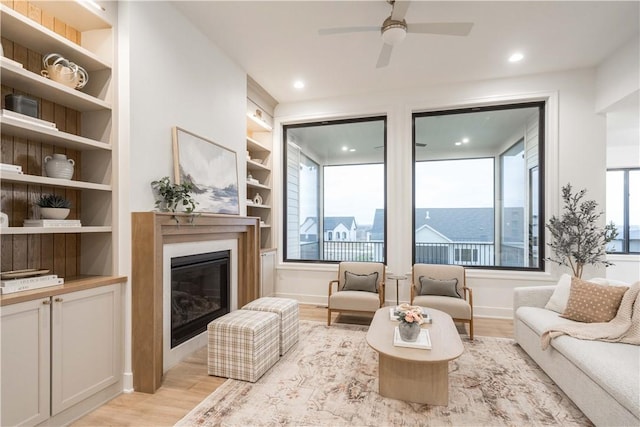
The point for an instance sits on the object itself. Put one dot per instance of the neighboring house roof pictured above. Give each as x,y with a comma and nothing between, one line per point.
331,222
457,224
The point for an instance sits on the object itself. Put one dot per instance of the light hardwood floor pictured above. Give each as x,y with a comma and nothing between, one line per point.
187,384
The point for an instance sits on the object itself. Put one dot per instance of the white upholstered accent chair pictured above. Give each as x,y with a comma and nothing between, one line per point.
444,288
359,288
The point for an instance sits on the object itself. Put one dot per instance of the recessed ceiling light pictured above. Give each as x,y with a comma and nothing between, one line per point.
465,140
352,149
298,84
516,57
345,148
458,143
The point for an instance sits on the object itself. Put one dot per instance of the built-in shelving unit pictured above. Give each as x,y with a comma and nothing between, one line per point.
259,169
60,333
83,132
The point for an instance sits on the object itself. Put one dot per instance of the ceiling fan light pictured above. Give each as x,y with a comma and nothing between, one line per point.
394,34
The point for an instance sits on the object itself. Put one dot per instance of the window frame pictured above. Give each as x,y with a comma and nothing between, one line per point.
542,109
626,226
359,119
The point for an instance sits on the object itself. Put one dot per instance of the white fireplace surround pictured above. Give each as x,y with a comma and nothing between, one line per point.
172,356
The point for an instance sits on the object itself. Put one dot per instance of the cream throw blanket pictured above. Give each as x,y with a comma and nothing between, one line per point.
624,328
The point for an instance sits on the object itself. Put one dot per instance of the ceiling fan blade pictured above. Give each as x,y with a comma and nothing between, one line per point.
385,56
344,30
399,9
444,28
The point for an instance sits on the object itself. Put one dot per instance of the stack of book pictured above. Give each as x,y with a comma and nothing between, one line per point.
52,223
29,283
6,167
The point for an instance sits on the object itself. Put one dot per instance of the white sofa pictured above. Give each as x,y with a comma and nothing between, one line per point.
602,379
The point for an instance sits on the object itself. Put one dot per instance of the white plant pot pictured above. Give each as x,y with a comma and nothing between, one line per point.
54,213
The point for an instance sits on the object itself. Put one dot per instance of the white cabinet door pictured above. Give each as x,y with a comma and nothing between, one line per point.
268,273
25,349
86,335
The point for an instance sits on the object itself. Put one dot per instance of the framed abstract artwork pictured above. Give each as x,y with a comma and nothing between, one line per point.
211,168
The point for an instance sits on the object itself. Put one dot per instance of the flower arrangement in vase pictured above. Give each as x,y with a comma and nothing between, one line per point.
410,318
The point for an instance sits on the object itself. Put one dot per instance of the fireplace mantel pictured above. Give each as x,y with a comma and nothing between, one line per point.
150,232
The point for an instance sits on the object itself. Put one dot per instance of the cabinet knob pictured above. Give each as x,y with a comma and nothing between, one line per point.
58,299
46,302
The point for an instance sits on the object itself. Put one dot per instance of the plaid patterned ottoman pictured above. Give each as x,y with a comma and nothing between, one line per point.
287,310
243,344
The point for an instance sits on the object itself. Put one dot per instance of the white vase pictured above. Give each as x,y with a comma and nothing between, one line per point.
59,166
409,331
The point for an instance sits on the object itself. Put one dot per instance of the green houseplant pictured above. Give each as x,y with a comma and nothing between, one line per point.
171,196
576,239
53,206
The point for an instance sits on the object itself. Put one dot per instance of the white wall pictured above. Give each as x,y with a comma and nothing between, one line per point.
170,75
575,153
618,75
618,97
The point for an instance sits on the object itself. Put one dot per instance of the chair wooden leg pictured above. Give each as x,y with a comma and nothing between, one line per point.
328,316
471,329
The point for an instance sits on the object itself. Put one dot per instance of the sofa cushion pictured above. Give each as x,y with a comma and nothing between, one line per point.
560,296
540,319
355,301
613,366
558,301
591,303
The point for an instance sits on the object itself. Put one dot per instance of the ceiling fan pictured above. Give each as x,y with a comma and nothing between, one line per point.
394,29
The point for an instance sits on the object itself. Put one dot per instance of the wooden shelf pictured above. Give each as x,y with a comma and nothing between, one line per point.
255,124
258,206
253,145
55,230
39,86
53,182
259,186
255,166
13,127
31,35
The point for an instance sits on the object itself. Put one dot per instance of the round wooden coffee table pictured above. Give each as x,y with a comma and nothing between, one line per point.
415,375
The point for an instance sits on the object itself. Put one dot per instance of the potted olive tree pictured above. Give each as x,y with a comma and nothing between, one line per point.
576,239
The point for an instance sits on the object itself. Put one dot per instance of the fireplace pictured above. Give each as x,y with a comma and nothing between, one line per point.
200,290
157,237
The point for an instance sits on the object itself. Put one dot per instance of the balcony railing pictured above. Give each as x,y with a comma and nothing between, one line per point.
353,251
478,254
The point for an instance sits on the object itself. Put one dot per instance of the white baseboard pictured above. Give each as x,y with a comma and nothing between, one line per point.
127,382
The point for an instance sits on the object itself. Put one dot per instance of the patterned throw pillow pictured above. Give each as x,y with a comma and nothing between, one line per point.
360,282
590,303
445,288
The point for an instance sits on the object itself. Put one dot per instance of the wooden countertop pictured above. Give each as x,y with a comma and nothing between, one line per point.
72,284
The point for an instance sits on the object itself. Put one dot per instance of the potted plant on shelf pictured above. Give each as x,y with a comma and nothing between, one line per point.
576,239
53,206
169,197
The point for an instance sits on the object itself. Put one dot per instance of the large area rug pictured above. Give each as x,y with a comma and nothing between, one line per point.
331,379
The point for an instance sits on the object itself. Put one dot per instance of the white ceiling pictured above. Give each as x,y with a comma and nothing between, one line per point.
277,42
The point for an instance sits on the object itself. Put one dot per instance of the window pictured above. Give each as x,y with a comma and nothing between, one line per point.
623,209
478,186
344,197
